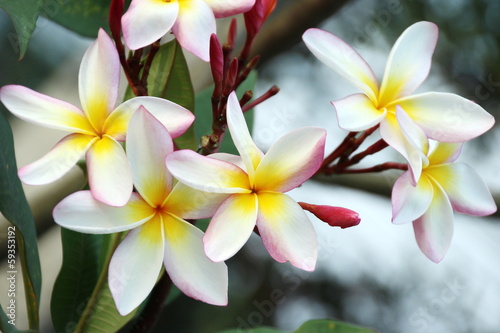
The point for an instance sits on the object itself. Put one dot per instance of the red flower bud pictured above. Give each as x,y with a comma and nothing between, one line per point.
256,16
334,216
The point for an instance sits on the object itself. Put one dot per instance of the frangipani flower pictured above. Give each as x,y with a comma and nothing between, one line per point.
155,217
443,187
96,130
256,184
442,116
191,21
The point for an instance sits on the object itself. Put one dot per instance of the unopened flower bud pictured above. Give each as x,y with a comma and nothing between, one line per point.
334,216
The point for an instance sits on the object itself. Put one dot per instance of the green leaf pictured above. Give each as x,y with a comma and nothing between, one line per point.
15,208
77,278
23,14
203,121
5,326
312,326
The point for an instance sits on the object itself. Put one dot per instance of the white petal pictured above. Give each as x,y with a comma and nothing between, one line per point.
173,116
286,231
445,152
81,212
110,178
224,8
447,117
467,192
343,59
135,266
207,174
242,139
291,160
195,23
148,144
147,21
231,226
357,113
188,266
434,229
58,161
99,80
409,61
410,202
43,110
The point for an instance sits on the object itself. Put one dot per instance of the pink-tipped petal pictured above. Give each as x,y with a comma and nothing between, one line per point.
406,140
58,161
194,26
207,174
343,59
291,160
81,212
445,152
173,116
189,203
467,192
447,117
409,62
242,139
135,265
410,202
110,177
434,229
148,144
286,231
231,226
357,112
189,268
233,159
43,110
99,80
147,21
224,8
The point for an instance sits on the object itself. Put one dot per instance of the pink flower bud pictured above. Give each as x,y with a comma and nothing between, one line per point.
334,216
256,16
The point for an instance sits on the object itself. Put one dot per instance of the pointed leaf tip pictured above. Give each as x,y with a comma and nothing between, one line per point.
334,216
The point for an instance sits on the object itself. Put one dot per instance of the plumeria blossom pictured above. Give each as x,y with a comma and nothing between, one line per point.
191,21
256,184
445,186
155,217
442,116
96,129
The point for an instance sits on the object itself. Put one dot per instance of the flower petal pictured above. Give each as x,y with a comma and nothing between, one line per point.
224,8
434,229
447,117
357,113
195,23
343,59
445,152
189,203
58,161
409,62
148,144
147,21
242,139
286,231
188,266
231,226
135,265
291,160
207,174
43,110
173,116
410,202
81,212
406,139
99,80
110,178
467,192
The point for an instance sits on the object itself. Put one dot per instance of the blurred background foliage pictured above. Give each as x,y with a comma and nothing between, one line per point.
468,55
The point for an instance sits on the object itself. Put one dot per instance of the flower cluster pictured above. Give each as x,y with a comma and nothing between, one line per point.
142,184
